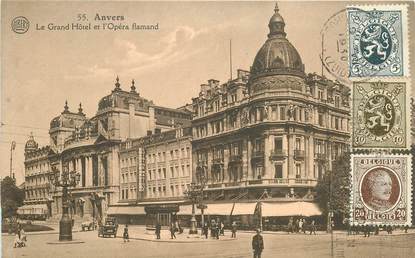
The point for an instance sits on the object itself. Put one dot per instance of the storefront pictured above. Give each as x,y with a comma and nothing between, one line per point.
132,215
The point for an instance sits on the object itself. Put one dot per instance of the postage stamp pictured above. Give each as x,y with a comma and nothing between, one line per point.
381,189
378,41
380,115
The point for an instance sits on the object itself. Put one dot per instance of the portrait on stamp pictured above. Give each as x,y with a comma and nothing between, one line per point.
381,189
380,115
376,43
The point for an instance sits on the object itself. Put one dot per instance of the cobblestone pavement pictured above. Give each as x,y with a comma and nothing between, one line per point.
276,245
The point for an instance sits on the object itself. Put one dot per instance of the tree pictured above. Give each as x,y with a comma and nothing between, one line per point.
339,178
11,197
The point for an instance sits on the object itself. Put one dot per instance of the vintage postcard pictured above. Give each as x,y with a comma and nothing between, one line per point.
232,129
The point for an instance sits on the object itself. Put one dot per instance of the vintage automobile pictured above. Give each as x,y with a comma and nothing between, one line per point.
109,228
87,225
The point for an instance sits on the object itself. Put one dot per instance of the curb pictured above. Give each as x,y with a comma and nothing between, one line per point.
180,241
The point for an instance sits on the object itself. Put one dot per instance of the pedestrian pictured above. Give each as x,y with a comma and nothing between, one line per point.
172,230
233,229
125,235
206,230
300,225
304,226
212,228
313,227
297,226
406,228
257,244
217,230
222,229
158,230
376,230
290,225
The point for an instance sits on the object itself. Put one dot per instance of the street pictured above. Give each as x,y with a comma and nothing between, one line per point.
276,245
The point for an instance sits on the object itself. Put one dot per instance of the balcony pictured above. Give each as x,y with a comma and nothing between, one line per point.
202,163
278,154
217,185
258,154
235,158
320,156
231,184
217,161
299,154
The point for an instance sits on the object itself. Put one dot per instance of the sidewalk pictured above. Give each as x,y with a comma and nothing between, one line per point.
140,233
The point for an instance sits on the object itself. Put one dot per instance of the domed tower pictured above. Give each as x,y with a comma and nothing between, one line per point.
31,144
276,57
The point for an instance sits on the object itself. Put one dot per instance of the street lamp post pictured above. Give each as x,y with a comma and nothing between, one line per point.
67,179
192,194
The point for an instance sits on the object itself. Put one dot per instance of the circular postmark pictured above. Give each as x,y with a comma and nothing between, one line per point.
380,189
20,25
334,54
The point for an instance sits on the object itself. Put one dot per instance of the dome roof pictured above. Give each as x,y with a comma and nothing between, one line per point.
277,55
31,144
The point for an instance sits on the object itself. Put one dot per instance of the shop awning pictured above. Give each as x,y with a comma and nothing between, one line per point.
244,208
32,209
126,210
281,209
162,202
187,210
219,209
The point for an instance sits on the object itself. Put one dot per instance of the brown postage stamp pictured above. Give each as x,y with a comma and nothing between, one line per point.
381,190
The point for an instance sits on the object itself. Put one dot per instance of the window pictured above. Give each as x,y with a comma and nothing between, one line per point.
164,172
320,119
298,171
336,123
149,174
336,101
298,143
282,113
258,172
172,172
278,170
278,143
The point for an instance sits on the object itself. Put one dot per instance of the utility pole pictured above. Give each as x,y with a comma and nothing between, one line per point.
12,147
230,58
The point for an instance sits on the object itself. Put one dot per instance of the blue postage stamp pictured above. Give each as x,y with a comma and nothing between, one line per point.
377,41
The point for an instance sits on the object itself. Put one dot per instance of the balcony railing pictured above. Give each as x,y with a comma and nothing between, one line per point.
278,154
320,156
235,158
232,184
299,154
217,161
258,154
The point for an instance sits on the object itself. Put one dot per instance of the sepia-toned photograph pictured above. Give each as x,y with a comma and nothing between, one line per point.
232,129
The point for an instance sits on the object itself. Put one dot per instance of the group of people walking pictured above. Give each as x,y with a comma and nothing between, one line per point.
217,228
301,225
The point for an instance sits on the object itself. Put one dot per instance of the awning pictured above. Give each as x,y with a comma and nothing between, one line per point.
126,210
187,210
161,202
32,209
281,209
244,208
219,209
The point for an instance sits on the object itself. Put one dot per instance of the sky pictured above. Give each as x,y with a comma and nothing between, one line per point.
42,69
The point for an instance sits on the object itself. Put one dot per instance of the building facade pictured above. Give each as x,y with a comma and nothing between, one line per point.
37,202
155,171
272,132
